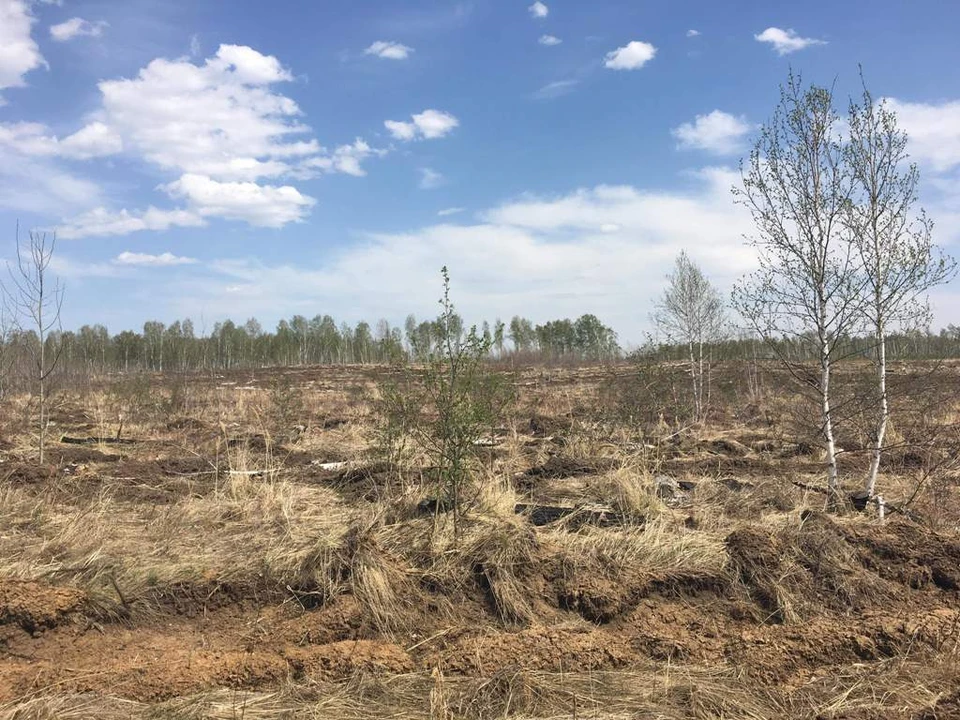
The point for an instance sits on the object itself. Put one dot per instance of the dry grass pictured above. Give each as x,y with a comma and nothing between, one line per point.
249,530
256,520
658,691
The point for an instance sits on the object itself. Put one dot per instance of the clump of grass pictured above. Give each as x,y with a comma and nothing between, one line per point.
661,549
629,491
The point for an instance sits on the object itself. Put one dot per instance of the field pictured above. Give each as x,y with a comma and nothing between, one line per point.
234,547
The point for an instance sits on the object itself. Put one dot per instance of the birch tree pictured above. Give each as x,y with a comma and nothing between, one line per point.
893,240
691,313
797,188
36,299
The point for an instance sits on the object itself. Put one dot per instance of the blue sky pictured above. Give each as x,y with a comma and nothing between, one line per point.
213,159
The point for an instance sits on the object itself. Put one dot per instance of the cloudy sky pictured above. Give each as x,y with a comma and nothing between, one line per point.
213,160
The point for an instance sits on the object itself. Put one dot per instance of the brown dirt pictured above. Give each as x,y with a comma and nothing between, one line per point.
27,474
35,607
189,654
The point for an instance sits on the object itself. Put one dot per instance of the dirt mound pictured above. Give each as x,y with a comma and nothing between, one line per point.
35,607
550,648
678,630
196,599
341,619
348,657
597,598
27,474
779,654
798,570
909,554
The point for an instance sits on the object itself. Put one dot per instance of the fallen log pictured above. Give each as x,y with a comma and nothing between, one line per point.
67,440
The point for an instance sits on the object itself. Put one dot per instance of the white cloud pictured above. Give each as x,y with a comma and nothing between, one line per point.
632,56
556,89
446,212
430,179
786,41
32,139
195,45
717,132
345,159
31,179
77,27
693,33
549,40
37,185
218,119
102,222
603,250
218,128
933,131
434,123
19,53
539,10
259,205
428,125
166,259
401,130
389,50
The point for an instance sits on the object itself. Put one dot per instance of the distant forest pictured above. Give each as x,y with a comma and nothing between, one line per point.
321,340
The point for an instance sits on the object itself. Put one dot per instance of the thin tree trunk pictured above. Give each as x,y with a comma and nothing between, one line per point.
881,429
829,444
693,379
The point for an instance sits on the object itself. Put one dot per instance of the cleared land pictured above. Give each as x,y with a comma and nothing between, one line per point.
242,553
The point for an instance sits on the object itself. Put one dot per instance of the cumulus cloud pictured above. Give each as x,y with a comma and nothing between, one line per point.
102,222
693,33
220,118
538,10
389,50
260,205
446,212
166,259
19,53
33,139
717,132
632,56
786,41
218,127
77,27
428,125
549,40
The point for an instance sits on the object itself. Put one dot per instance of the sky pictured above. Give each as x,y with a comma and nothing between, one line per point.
218,160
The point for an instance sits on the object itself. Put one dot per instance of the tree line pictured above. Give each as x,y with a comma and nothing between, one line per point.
320,340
